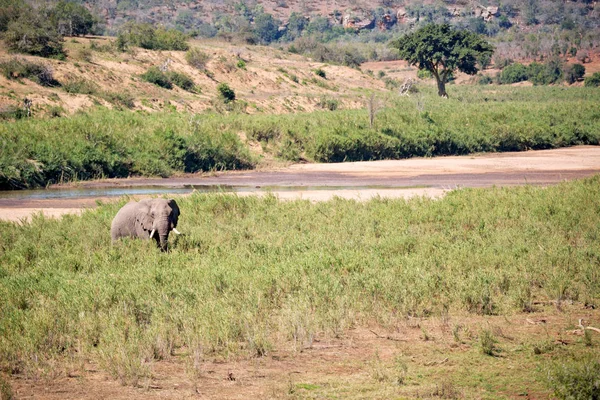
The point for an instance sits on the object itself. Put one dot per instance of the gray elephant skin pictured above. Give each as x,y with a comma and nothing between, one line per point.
147,219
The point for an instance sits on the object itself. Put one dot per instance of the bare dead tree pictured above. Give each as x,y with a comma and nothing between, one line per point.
165,66
374,105
407,86
27,103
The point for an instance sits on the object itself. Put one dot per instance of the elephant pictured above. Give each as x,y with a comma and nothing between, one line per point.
147,219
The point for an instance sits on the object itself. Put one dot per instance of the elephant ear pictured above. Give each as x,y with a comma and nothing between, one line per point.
144,216
175,209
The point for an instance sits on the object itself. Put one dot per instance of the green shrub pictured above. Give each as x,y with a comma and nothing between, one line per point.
119,99
157,77
547,73
241,64
328,103
147,36
487,342
32,34
485,80
424,74
593,81
39,73
197,58
574,73
169,39
182,80
11,112
576,379
514,73
225,92
84,54
319,72
77,85
6,392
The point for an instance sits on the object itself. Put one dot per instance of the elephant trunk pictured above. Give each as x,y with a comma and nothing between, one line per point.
163,241
163,227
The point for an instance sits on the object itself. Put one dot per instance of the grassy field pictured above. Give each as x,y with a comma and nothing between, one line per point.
253,275
105,143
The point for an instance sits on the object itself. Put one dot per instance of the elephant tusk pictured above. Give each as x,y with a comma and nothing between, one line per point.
152,233
176,231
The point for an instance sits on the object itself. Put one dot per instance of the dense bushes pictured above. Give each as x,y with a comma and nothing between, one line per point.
513,73
168,79
32,34
111,144
593,81
552,71
476,120
149,37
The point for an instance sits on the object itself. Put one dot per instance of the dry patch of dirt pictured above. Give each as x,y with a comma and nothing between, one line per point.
414,358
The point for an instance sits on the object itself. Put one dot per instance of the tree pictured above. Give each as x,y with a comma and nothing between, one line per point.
441,49
33,34
266,28
72,19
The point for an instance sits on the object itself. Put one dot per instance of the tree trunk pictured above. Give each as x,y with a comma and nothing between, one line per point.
441,87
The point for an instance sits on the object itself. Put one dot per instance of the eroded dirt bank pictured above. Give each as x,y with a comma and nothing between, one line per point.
356,180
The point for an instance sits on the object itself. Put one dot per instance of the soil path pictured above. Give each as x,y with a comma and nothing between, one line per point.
357,180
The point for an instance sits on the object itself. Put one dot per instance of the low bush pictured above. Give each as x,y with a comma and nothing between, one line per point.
76,85
197,58
119,99
225,92
319,72
576,379
574,73
328,103
485,80
514,73
157,77
593,81
167,79
149,37
181,80
39,73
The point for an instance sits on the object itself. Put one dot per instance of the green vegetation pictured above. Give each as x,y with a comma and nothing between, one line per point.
112,144
441,50
320,73
552,71
225,92
168,79
20,68
155,76
255,273
477,119
147,36
197,58
576,379
33,34
593,81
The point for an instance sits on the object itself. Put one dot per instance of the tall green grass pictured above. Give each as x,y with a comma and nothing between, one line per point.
475,119
112,144
253,273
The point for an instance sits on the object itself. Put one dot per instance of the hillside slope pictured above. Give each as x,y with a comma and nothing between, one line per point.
271,80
